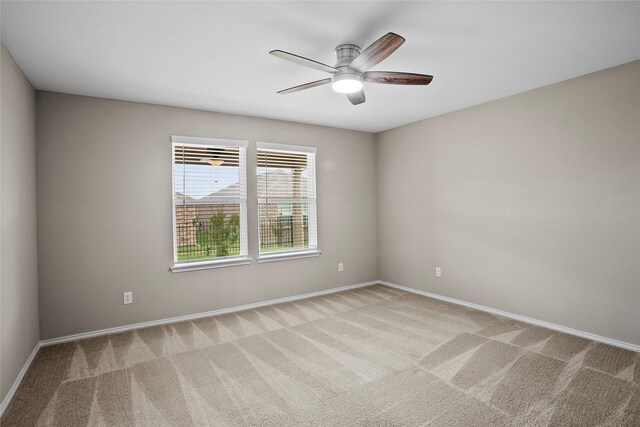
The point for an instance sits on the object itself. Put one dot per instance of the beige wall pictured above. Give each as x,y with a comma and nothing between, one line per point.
530,204
104,214
18,255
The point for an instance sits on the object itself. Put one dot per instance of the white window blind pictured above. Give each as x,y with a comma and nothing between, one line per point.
286,180
209,199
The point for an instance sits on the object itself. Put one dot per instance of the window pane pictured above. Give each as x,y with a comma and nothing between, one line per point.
207,231
209,199
286,193
283,226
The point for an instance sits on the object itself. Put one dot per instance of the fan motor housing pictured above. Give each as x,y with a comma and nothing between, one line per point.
345,53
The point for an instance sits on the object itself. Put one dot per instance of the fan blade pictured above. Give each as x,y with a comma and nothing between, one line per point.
397,78
377,52
305,86
356,97
303,61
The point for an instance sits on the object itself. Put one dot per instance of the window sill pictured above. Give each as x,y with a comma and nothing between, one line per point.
284,256
205,265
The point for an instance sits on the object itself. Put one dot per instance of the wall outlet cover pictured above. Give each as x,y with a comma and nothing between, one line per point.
128,297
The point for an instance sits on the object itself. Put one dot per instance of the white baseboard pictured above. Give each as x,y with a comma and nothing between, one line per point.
203,314
16,383
524,319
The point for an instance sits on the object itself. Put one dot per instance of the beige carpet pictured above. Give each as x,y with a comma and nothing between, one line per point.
372,356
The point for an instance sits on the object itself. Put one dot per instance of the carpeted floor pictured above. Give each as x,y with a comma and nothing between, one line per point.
371,356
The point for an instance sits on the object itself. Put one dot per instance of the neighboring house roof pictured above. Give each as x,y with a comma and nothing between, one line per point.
180,198
231,191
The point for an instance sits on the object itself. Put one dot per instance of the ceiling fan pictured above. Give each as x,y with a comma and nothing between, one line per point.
352,66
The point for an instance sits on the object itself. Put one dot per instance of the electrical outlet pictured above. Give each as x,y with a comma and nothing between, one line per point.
340,266
128,297
438,272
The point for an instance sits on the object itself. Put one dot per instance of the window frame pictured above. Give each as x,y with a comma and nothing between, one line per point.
294,253
223,261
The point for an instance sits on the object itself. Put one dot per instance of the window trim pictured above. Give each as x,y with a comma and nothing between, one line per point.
205,265
243,258
285,147
285,255
199,140
288,255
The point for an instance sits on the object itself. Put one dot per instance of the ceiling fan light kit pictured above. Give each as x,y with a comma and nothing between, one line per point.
352,66
346,82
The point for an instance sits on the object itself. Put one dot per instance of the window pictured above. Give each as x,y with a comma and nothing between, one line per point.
286,180
209,203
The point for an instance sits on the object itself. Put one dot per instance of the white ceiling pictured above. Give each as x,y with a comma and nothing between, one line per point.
214,55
